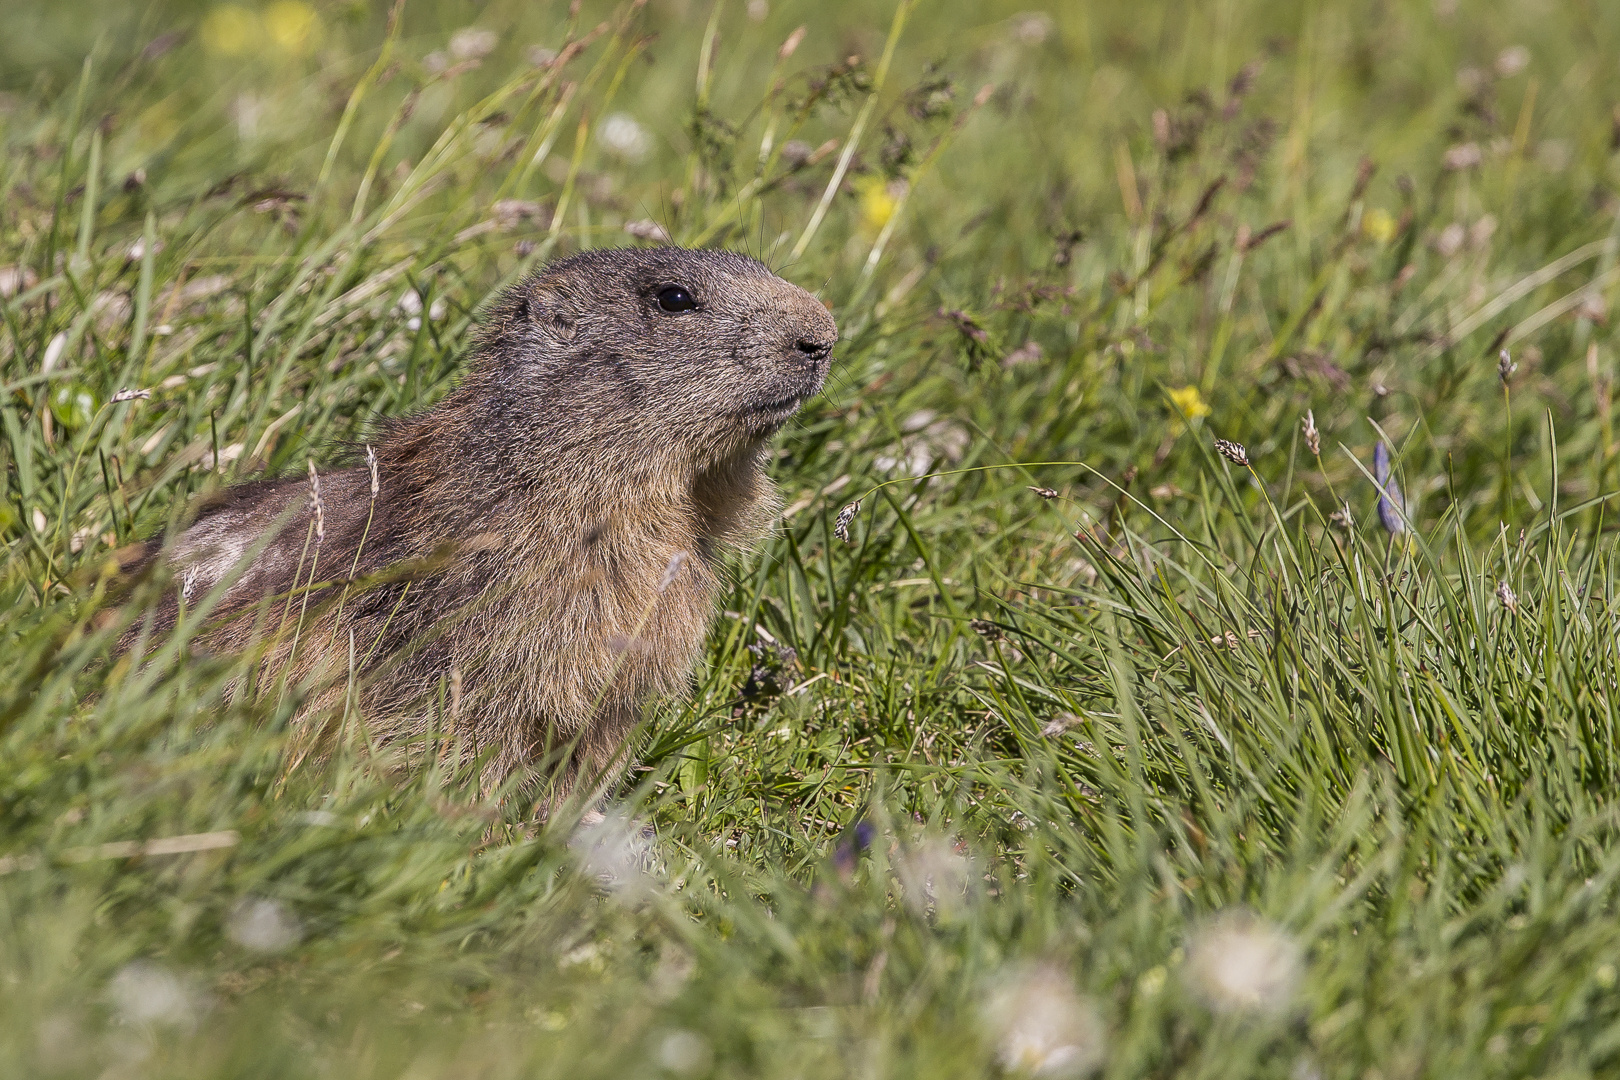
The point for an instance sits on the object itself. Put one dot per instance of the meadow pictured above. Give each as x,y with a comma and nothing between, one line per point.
1189,647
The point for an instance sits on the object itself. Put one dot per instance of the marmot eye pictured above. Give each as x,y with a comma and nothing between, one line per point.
674,299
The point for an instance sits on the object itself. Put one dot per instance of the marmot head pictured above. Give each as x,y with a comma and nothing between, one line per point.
688,357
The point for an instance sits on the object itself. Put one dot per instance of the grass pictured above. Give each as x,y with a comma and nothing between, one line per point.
1179,766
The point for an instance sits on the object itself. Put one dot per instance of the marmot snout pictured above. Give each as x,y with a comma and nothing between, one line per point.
560,516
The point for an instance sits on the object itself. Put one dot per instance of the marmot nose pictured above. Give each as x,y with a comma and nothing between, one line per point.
812,349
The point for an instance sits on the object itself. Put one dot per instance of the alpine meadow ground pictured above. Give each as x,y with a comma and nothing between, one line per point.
1190,646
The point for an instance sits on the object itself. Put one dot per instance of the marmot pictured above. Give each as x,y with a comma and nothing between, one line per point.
565,509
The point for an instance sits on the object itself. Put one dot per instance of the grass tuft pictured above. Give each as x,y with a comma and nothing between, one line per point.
1049,734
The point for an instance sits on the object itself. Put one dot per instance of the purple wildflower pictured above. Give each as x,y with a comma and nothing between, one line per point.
1391,504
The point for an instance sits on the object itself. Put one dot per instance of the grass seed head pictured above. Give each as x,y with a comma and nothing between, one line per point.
673,570
1505,593
791,45
1313,437
1045,492
371,466
1233,452
647,229
1505,367
316,505
1059,724
845,517
127,394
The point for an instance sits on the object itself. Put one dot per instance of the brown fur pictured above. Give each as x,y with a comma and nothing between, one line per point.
596,442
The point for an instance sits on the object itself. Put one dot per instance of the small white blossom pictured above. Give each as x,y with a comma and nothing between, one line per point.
685,1053
53,352
146,994
624,137
1451,240
616,851
1512,60
14,279
1041,1026
936,874
1241,963
471,43
318,817
263,926
137,249
1032,27
1462,156
411,304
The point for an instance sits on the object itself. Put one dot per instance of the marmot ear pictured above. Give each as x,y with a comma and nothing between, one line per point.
551,311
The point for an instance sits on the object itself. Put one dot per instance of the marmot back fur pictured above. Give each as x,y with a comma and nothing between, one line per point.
559,517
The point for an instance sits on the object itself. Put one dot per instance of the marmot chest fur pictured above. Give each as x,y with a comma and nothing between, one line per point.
549,533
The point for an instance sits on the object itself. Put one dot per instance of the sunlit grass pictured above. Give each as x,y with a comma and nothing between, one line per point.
1214,677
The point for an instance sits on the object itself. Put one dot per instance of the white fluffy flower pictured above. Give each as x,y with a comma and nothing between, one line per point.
263,926
472,43
146,994
1041,1026
1512,60
624,137
1241,963
411,304
684,1053
937,874
1032,27
616,851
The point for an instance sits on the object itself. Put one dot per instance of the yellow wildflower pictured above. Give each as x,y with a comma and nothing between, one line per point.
229,30
879,198
291,25
1189,402
1378,225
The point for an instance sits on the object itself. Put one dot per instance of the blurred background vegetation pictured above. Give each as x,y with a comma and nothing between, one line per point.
1094,750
